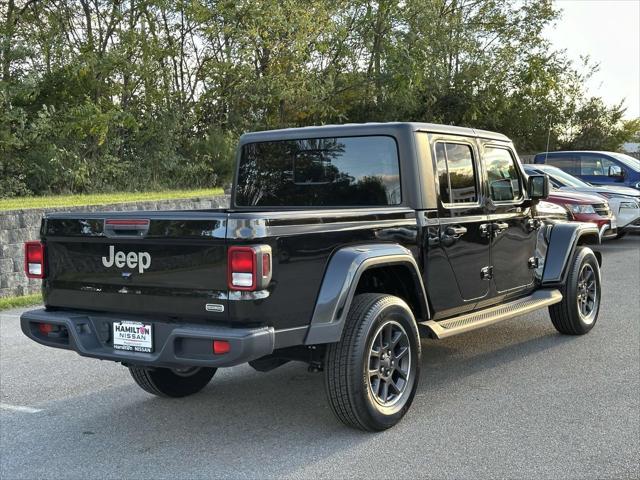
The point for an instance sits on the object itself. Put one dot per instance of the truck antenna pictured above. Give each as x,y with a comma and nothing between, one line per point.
546,152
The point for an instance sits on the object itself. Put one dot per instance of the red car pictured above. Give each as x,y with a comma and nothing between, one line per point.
587,208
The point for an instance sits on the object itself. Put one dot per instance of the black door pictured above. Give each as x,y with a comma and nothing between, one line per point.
462,254
512,228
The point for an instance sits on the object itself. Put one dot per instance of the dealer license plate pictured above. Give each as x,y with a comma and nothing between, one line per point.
132,336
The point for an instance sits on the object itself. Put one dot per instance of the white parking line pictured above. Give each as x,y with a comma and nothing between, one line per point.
18,408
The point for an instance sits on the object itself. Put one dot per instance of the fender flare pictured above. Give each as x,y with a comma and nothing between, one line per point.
341,278
563,240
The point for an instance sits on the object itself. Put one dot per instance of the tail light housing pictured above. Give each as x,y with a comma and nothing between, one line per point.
249,267
34,259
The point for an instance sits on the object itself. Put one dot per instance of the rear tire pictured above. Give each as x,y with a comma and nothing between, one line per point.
167,382
577,313
372,374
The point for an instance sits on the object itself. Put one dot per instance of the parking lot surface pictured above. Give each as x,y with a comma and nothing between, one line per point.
514,400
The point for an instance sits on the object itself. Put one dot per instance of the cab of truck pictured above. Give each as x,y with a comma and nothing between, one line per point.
595,167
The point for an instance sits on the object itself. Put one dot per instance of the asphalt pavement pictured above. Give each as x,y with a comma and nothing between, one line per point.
514,400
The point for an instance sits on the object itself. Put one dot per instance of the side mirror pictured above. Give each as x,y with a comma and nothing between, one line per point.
615,171
538,187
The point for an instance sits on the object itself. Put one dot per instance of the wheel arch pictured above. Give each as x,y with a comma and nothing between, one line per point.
564,238
369,268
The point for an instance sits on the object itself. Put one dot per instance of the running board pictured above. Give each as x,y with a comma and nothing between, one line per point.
482,318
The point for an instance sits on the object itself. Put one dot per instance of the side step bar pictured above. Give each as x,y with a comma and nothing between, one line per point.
482,318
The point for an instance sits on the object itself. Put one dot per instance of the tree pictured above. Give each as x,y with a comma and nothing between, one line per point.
596,126
101,95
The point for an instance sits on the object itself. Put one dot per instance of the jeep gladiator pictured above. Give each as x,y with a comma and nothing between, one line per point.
342,247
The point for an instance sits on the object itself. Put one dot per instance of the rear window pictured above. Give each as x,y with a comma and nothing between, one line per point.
319,172
456,174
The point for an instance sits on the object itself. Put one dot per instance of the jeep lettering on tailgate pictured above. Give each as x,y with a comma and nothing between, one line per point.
142,260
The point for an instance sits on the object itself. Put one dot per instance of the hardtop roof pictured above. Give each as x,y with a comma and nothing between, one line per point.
352,129
606,152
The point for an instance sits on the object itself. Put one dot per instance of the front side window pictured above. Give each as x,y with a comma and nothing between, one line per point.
502,175
456,174
627,160
319,172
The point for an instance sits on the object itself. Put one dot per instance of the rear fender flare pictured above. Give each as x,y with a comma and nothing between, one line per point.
344,270
563,240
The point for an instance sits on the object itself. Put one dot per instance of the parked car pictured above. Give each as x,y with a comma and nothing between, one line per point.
623,201
583,207
552,213
597,168
328,256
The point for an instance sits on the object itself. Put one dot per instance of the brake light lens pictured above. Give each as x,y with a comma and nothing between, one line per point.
243,261
34,259
249,267
220,347
127,221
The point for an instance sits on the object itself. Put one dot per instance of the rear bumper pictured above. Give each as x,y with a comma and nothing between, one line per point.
89,334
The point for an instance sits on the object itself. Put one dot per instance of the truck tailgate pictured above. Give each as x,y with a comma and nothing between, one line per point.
170,264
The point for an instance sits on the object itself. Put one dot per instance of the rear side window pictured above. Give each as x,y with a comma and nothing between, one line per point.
504,181
595,166
456,173
320,172
568,164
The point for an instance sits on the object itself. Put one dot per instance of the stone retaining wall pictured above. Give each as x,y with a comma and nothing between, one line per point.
19,226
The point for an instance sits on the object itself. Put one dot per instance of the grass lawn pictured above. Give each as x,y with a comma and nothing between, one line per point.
20,203
17,302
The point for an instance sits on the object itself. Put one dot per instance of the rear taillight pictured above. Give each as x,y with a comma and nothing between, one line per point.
34,259
249,268
242,268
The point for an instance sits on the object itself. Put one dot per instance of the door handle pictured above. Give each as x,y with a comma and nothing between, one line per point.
455,231
451,234
499,227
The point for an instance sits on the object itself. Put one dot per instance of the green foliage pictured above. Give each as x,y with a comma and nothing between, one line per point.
104,95
7,303
596,126
56,201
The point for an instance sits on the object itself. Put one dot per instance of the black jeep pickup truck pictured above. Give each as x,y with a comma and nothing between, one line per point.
343,245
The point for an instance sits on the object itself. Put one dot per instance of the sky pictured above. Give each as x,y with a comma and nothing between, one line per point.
609,32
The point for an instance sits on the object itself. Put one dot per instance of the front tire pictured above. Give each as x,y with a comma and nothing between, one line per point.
167,382
372,374
577,313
